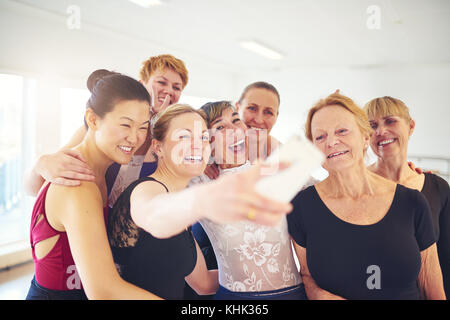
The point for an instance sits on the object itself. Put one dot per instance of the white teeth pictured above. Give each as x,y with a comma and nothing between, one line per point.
336,154
384,142
126,149
237,143
194,158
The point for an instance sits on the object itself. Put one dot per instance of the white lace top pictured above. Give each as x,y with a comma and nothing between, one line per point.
251,257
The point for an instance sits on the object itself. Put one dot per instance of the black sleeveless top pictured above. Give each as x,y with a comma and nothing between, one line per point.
156,265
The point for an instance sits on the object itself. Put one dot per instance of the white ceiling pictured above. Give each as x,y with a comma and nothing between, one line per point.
307,32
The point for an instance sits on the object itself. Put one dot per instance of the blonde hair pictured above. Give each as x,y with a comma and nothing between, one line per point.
161,62
340,100
387,106
161,122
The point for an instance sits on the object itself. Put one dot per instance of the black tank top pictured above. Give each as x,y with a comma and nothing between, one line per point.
156,265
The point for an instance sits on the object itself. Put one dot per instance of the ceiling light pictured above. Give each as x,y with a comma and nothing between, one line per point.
261,49
147,3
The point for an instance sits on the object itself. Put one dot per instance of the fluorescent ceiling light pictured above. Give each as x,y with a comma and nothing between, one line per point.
146,3
261,49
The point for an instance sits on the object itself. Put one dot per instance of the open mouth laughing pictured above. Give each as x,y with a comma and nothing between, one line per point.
126,149
385,142
337,154
238,146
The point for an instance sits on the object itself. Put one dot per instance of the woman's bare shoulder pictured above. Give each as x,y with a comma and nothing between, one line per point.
64,198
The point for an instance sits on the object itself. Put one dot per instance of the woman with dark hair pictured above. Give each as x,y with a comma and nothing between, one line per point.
164,77
69,244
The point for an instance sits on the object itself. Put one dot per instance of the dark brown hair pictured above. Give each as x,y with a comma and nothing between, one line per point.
259,85
109,88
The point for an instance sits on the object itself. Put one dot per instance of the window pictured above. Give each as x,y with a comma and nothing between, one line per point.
73,107
15,153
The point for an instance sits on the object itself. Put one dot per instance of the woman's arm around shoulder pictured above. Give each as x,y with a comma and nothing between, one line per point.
64,167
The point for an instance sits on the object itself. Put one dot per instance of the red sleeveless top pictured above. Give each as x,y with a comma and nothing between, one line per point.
56,270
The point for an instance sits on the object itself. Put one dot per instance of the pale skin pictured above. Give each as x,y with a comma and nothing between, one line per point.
259,111
229,198
78,211
356,195
227,131
166,214
231,123
389,141
392,160
68,167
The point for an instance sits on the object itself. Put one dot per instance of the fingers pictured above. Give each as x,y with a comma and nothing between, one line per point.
209,172
165,103
71,179
216,171
75,154
253,207
66,167
77,176
242,212
75,167
152,96
258,202
66,182
261,170
212,171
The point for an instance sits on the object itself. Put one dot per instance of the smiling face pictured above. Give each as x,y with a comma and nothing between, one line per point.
390,135
164,83
121,131
259,109
228,137
185,149
336,133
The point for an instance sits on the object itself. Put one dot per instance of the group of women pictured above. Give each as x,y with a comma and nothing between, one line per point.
115,207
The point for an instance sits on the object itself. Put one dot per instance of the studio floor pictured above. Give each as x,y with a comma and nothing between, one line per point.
15,281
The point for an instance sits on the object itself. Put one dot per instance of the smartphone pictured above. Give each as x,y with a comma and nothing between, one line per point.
303,158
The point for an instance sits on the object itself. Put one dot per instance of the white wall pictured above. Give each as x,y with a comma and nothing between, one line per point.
424,89
38,43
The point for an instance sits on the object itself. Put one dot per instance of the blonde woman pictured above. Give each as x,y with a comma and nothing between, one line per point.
358,235
149,224
392,128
